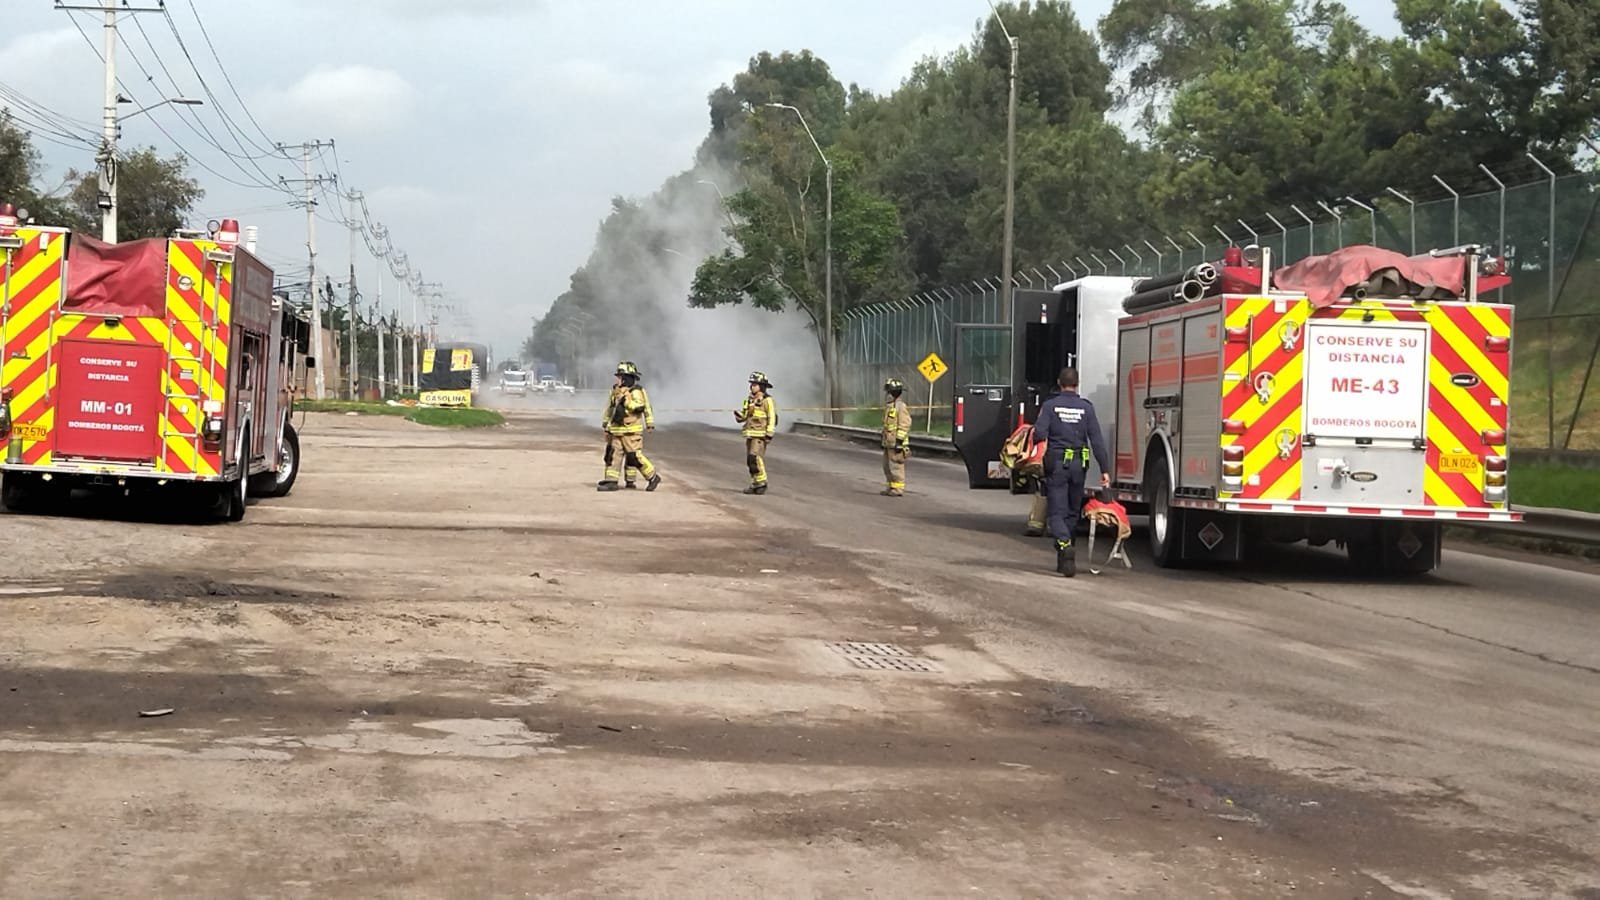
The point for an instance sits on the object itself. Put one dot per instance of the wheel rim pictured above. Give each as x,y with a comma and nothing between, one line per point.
286,461
1158,515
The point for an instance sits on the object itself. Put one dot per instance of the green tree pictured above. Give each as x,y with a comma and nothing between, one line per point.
19,174
18,160
779,260
155,196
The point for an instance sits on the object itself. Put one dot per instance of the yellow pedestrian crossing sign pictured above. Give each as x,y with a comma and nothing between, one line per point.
932,368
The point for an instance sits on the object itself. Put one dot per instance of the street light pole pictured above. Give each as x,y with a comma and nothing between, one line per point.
1011,175
827,276
721,197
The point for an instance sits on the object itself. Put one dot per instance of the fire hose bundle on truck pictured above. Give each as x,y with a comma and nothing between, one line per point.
1359,397
161,364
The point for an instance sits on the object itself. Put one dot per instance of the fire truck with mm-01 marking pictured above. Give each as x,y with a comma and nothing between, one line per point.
1358,397
164,364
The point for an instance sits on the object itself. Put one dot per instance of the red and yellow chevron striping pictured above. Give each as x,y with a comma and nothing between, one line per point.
33,281
1262,391
193,335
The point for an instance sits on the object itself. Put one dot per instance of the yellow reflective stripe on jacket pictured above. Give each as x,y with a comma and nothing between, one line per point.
649,412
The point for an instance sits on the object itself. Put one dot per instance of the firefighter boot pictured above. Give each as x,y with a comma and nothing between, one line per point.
653,483
761,488
632,485
1066,559
607,486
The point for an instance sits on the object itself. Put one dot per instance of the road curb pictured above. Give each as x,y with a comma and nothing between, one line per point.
1539,523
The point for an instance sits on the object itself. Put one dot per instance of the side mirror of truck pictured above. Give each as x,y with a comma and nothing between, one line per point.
311,362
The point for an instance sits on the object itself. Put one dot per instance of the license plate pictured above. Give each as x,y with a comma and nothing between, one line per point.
31,432
1458,462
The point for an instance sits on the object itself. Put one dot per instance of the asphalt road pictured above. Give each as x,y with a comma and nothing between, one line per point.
446,666
1468,699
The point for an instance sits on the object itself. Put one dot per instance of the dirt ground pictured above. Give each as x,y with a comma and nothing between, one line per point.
445,666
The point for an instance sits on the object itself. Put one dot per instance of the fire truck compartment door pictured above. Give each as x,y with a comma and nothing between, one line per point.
1366,394
983,400
109,404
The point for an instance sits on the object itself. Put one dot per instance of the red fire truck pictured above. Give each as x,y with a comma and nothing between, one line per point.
1360,397
150,364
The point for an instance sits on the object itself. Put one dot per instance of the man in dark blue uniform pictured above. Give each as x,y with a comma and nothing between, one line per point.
1069,427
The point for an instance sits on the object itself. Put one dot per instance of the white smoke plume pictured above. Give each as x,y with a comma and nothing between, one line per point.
696,362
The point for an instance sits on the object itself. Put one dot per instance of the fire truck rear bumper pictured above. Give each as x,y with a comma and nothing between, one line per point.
109,475
1257,507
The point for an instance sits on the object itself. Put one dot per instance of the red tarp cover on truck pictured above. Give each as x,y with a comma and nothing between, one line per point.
128,279
1323,279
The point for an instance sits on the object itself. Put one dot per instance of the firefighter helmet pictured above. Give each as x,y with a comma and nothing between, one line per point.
894,386
626,367
761,379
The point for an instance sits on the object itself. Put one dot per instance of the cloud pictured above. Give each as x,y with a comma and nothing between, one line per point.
903,60
345,99
592,78
465,9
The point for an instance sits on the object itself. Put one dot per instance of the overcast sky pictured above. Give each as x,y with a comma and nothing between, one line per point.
487,135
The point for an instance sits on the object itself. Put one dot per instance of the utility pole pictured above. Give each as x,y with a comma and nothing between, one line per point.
107,157
311,252
418,288
355,318
401,269
377,306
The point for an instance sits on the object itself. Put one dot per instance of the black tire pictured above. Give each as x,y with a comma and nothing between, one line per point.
217,500
280,481
289,464
18,493
1166,520
238,498
30,494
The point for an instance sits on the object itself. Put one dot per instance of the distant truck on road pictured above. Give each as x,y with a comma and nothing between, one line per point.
514,382
150,365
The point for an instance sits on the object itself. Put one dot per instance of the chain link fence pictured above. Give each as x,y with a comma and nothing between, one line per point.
1546,228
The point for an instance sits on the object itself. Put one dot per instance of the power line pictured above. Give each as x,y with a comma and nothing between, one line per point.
153,121
222,111
224,70
266,179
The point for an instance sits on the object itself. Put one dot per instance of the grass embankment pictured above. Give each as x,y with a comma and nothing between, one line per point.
1555,486
440,417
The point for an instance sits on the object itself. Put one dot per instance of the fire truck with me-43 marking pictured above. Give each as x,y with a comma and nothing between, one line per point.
1358,397
164,364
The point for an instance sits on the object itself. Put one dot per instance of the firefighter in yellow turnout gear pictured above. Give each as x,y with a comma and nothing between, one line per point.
759,420
896,438
617,393
630,417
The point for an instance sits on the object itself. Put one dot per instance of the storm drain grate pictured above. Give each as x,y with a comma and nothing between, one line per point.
882,657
